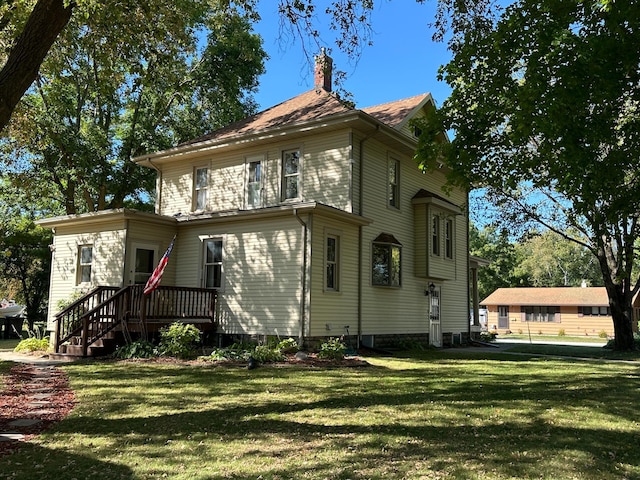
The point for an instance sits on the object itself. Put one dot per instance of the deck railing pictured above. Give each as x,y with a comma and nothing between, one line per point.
104,308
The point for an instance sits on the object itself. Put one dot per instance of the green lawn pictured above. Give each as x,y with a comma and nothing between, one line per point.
444,415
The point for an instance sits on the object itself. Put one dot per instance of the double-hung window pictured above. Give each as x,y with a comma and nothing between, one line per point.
435,235
448,238
332,263
213,263
393,178
291,165
85,262
386,258
201,188
254,182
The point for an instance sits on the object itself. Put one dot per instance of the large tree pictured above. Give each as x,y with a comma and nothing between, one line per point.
123,82
546,114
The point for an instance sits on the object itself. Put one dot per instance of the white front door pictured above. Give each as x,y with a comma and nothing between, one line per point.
435,329
143,260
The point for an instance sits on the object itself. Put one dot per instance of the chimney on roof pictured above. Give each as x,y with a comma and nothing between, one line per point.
323,71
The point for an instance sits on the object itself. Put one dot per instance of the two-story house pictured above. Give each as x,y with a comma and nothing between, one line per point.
311,219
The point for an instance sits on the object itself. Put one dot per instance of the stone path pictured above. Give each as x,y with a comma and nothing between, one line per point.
34,395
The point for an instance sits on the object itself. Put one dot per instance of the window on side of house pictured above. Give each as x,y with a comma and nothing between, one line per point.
393,177
332,262
291,166
386,256
201,188
85,263
448,238
213,263
254,183
540,314
594,311
435,235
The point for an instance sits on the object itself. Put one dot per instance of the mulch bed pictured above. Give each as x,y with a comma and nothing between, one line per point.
18,389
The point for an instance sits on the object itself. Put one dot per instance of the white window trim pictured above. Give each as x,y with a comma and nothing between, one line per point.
283,190
80,265
450,221
338,261
392,160
248,161
194,199
203,259
390,245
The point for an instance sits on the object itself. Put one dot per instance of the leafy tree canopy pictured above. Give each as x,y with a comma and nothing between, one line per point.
545,110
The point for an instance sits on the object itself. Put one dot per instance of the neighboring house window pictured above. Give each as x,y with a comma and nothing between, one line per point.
448,238
85,262
394,178
201,182
291,174
540,314
435,234
254,183
594,311
386,258
213,263
332,265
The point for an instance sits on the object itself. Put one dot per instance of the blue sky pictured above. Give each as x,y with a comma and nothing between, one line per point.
402,62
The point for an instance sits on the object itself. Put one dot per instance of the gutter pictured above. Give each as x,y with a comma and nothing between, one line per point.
304,298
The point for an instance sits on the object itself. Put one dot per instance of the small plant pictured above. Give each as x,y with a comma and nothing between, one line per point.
519,331
488,336
179,340
264,354
288,345
332,349
32,344
603,334
137,349
561,332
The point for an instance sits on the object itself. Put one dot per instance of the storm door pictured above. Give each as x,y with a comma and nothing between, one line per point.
435,329
503,317
144,261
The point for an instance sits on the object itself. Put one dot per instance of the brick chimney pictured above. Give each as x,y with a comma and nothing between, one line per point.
323,71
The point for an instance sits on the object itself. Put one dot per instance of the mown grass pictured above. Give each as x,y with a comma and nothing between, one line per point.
574,351
444,415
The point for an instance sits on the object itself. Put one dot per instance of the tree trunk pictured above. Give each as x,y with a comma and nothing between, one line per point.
621,305
47,20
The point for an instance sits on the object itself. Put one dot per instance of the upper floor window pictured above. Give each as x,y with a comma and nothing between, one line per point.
213,263
291,174
85,262
201,188
435,234
393,174
386,258
448,238
332,265
254,182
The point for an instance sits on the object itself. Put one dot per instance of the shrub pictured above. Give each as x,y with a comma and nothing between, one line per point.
603,334
288,345
332,349
561,332
32,344
179,340
137,349
264,353
488,336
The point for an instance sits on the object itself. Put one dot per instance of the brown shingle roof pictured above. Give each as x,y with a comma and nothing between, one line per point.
307,106
551,296
394,113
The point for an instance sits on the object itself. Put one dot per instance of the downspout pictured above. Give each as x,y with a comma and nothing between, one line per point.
304,310
360,230
125,263
475,307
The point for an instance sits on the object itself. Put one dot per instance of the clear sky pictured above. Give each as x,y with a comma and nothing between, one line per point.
402,62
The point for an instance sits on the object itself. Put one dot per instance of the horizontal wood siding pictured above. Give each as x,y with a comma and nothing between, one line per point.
107,240
401,310
570,322
177,189
331,311
262,268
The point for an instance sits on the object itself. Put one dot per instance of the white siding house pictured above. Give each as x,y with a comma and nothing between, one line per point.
311,219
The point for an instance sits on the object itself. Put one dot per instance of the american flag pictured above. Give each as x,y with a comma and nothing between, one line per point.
156,276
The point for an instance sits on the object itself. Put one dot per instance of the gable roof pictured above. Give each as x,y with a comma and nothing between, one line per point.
396,113
549,296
